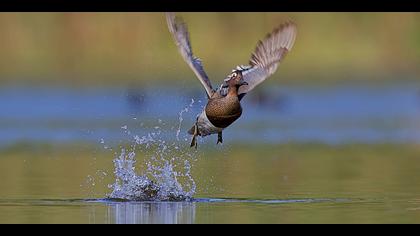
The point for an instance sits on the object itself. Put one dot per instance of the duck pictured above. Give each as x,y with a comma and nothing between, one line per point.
223,106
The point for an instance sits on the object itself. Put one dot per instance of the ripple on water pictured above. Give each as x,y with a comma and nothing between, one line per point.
108,200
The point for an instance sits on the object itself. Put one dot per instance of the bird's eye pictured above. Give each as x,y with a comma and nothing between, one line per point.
234,74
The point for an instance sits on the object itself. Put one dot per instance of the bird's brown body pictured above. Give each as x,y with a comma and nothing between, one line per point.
220,111
223,111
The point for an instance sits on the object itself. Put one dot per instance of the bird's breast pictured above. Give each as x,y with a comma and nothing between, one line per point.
222,112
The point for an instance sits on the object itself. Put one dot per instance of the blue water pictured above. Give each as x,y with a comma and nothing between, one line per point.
351,113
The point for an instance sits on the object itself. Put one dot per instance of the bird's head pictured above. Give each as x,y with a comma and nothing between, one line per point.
235,79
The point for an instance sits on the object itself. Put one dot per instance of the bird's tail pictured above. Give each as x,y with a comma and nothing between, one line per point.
191,131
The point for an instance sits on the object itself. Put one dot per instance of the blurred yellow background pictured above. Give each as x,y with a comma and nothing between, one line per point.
126,48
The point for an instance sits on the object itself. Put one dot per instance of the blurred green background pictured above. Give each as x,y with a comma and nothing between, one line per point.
127,48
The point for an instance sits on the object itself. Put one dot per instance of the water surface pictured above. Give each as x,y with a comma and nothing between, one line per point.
309,154
333,114
258,184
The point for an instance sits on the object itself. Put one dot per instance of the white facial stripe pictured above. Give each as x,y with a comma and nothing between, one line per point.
241,68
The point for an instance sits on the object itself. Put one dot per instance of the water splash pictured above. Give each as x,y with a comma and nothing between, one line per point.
180,118
166,175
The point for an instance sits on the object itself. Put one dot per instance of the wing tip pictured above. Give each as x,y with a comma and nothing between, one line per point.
175,22
281,39
287,31
170,20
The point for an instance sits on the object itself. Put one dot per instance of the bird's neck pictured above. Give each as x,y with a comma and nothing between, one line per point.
233,90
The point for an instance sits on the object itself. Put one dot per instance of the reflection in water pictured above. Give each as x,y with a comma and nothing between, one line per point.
265,100
151,213
136,100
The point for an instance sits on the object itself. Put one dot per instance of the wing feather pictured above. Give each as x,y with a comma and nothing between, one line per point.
179,31
267,56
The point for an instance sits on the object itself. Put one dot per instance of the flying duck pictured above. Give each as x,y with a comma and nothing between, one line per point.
224,103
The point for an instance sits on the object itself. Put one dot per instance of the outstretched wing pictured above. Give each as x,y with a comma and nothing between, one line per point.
179,31
267,56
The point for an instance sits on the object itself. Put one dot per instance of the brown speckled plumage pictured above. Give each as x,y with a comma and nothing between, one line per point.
223,111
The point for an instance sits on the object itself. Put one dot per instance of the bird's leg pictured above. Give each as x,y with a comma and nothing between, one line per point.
194,138
219,138
194,142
